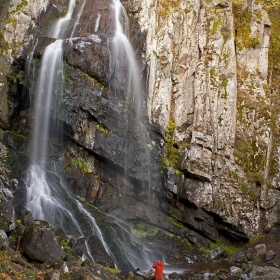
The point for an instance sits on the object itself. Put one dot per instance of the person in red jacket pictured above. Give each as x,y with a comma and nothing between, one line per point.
158,266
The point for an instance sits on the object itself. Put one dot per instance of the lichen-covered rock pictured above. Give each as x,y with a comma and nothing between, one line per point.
7,215
39,244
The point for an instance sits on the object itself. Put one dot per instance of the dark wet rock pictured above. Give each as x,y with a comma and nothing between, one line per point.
78,246
20,229
99,253
223,4
175,276
39,244
196,239
27,219
60,233
256,252
7,215
69,258
20,194
42,44
91,55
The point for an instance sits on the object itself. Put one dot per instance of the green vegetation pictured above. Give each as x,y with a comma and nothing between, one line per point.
256,261
260,238
11,18
81,163
114,270
77,162
15,134
186,243
101,128
141,231
168,6
252,159
65,244
229,248
213,76
172,153
214,24
149,146
220,119
243,19
204,250
176,223
67,77
99,85
224,95
226,33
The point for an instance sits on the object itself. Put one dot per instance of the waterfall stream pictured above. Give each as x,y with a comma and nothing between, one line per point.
123,50
47,194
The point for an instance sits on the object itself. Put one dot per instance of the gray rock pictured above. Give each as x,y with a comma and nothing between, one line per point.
234,270
217,253
7,215
264,273
4,241
269,255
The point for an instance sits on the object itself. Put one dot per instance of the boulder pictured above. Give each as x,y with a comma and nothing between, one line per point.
217,253
234,270
7,216
99,253
39,244
264,273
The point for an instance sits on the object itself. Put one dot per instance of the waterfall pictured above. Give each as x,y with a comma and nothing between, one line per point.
47,194
49,88
123,51
123,48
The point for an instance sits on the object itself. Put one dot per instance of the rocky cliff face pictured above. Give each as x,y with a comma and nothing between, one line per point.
212,158
208,76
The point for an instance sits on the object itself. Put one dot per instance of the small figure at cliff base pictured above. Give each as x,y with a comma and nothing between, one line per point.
158,266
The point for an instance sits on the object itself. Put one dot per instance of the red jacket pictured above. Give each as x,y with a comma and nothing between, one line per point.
158,266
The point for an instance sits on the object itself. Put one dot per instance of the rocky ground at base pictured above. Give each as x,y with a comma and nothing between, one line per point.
22,259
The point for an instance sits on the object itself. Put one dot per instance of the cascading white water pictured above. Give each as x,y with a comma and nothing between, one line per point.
122,49
48,88
61,26
47,196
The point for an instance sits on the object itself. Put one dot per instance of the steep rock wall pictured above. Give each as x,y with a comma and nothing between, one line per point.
208,76
205,67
